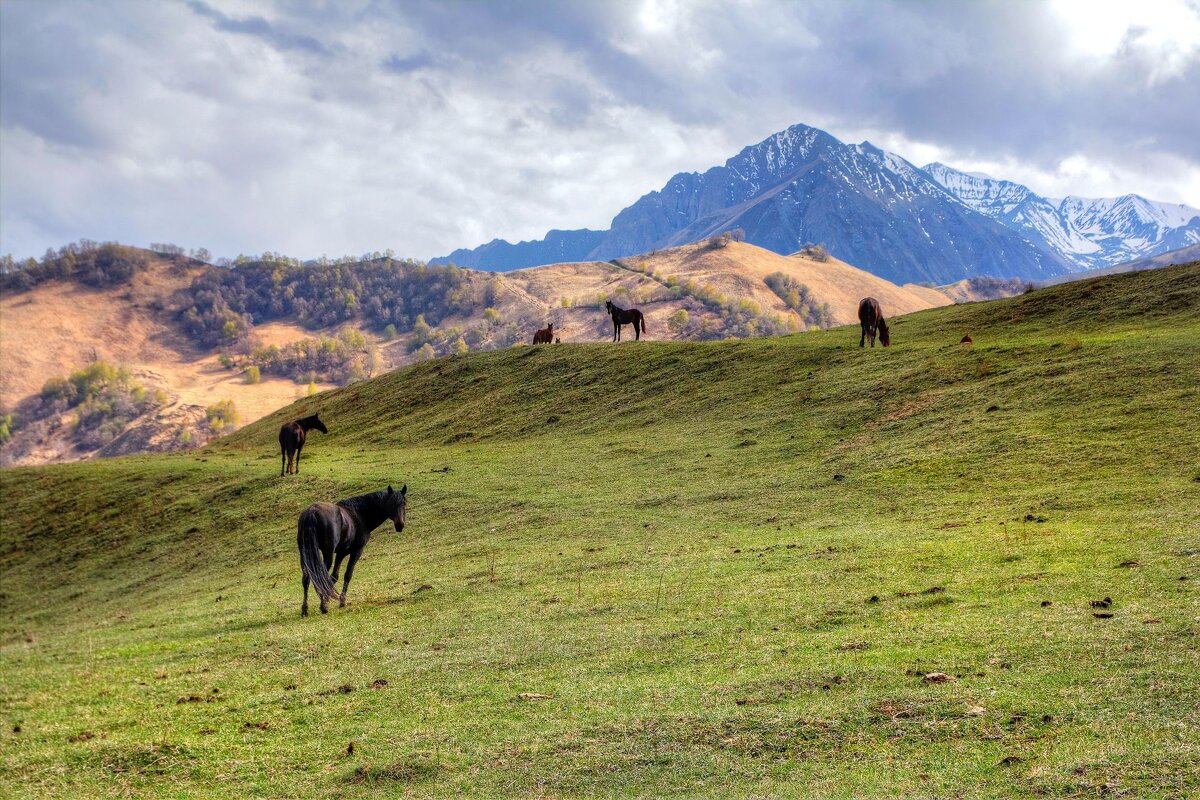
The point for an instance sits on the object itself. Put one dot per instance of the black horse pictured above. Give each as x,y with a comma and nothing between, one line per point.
622,317
870,316
342,529
291,441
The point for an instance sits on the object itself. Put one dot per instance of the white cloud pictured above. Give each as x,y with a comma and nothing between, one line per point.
349,127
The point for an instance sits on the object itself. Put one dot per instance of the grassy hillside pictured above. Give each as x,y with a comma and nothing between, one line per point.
730,564
198,332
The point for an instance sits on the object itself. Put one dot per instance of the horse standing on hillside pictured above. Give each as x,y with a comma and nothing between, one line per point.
870,316
622,317
291,441
545,335
342,529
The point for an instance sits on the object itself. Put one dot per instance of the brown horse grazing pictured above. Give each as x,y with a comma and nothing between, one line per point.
342,529
622,317
291,441
870,316
545,335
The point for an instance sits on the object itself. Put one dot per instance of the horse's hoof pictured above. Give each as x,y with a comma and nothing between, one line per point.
304,612
324,610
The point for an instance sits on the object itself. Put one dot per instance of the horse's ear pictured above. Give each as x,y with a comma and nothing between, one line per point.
404,489
389,488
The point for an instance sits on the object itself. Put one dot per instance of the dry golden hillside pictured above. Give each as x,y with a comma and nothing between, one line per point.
571,295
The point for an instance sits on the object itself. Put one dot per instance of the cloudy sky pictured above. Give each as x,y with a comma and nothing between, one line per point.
314,128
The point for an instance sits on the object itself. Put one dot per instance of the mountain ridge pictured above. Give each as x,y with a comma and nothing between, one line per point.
872,208
1091,233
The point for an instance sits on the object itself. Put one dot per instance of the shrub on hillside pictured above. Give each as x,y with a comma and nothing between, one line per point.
104,397
376,291
988,288
338,359
222,416
816,252
88,262
797,297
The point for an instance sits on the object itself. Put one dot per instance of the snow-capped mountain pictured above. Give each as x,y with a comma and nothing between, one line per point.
869,207
1088,233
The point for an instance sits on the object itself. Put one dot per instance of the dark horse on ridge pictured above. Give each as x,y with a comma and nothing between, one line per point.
341,529
291,441
622,317
544,335
870,316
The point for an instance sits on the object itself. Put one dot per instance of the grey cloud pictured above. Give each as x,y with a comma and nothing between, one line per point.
258,27
427,126
403,64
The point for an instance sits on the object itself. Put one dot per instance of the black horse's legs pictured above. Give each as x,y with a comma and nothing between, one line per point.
298,449
304,580
328,556
637,330
283,462
349,572
337,564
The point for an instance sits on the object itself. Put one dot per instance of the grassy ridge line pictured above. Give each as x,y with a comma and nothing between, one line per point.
506,394
652,561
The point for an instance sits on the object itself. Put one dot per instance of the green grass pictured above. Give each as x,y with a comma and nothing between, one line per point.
653,534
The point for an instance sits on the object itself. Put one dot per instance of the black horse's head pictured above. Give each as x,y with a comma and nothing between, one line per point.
397,501
608,306
314,423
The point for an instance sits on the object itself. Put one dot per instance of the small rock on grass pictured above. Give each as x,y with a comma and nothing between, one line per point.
976,711
937,677
534,696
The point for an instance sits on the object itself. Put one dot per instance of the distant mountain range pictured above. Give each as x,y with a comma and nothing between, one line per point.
870,208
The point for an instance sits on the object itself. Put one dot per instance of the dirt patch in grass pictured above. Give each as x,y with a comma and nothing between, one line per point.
412,770
662,740
162,758
776,690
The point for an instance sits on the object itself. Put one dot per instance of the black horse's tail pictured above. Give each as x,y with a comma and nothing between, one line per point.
642,319
311,562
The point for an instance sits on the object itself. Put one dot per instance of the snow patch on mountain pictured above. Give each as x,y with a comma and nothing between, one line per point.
1089,232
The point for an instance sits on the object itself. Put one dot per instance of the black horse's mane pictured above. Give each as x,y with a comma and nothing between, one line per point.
363,502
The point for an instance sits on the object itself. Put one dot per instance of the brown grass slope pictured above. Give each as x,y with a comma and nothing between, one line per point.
737,270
